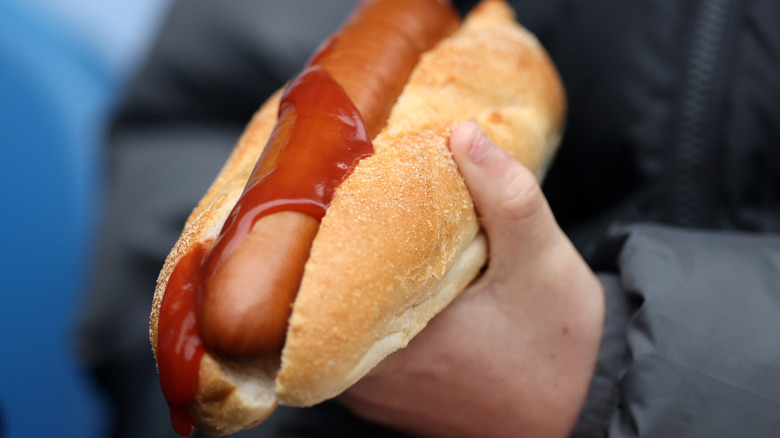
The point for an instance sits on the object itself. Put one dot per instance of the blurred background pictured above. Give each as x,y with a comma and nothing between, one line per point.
63,67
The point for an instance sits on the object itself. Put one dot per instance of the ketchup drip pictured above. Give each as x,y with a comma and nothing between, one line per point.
179,347
317,142
319,138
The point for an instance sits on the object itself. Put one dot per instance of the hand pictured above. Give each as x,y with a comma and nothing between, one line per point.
515,353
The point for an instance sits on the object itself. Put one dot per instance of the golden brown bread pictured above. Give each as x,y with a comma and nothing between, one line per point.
400,239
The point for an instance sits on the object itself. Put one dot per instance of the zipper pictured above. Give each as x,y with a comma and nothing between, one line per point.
693,189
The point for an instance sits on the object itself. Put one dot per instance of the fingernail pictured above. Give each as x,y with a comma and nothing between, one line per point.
481,146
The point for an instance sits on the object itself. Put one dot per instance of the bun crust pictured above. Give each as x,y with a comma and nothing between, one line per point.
400,239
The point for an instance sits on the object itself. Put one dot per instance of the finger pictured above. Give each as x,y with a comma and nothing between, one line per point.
507,196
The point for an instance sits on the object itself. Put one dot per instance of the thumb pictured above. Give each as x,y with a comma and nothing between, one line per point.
507,196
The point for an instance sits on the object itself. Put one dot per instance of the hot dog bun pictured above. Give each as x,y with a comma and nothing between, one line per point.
400,239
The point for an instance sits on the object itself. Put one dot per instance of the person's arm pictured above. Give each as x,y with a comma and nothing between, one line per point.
703,342
515,353
689,348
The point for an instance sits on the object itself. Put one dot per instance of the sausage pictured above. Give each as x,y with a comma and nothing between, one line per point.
375,51
250,287
246,311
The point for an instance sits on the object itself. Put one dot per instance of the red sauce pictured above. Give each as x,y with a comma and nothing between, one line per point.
298,170
179,347
319,139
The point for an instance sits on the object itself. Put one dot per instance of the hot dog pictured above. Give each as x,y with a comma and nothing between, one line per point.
392,241
371,58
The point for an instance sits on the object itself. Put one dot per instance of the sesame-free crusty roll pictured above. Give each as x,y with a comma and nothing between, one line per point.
397,240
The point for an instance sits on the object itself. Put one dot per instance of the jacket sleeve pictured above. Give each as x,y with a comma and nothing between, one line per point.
704,340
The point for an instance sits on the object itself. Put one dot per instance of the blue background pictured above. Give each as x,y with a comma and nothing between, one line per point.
63,66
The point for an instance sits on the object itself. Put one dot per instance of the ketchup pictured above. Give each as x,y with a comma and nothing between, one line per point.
179,347
318,140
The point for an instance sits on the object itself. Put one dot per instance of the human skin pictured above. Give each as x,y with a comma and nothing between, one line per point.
514,354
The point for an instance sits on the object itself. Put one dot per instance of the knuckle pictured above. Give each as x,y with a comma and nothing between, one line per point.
521,196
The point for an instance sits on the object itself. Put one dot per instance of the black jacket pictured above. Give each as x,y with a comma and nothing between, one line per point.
673,120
